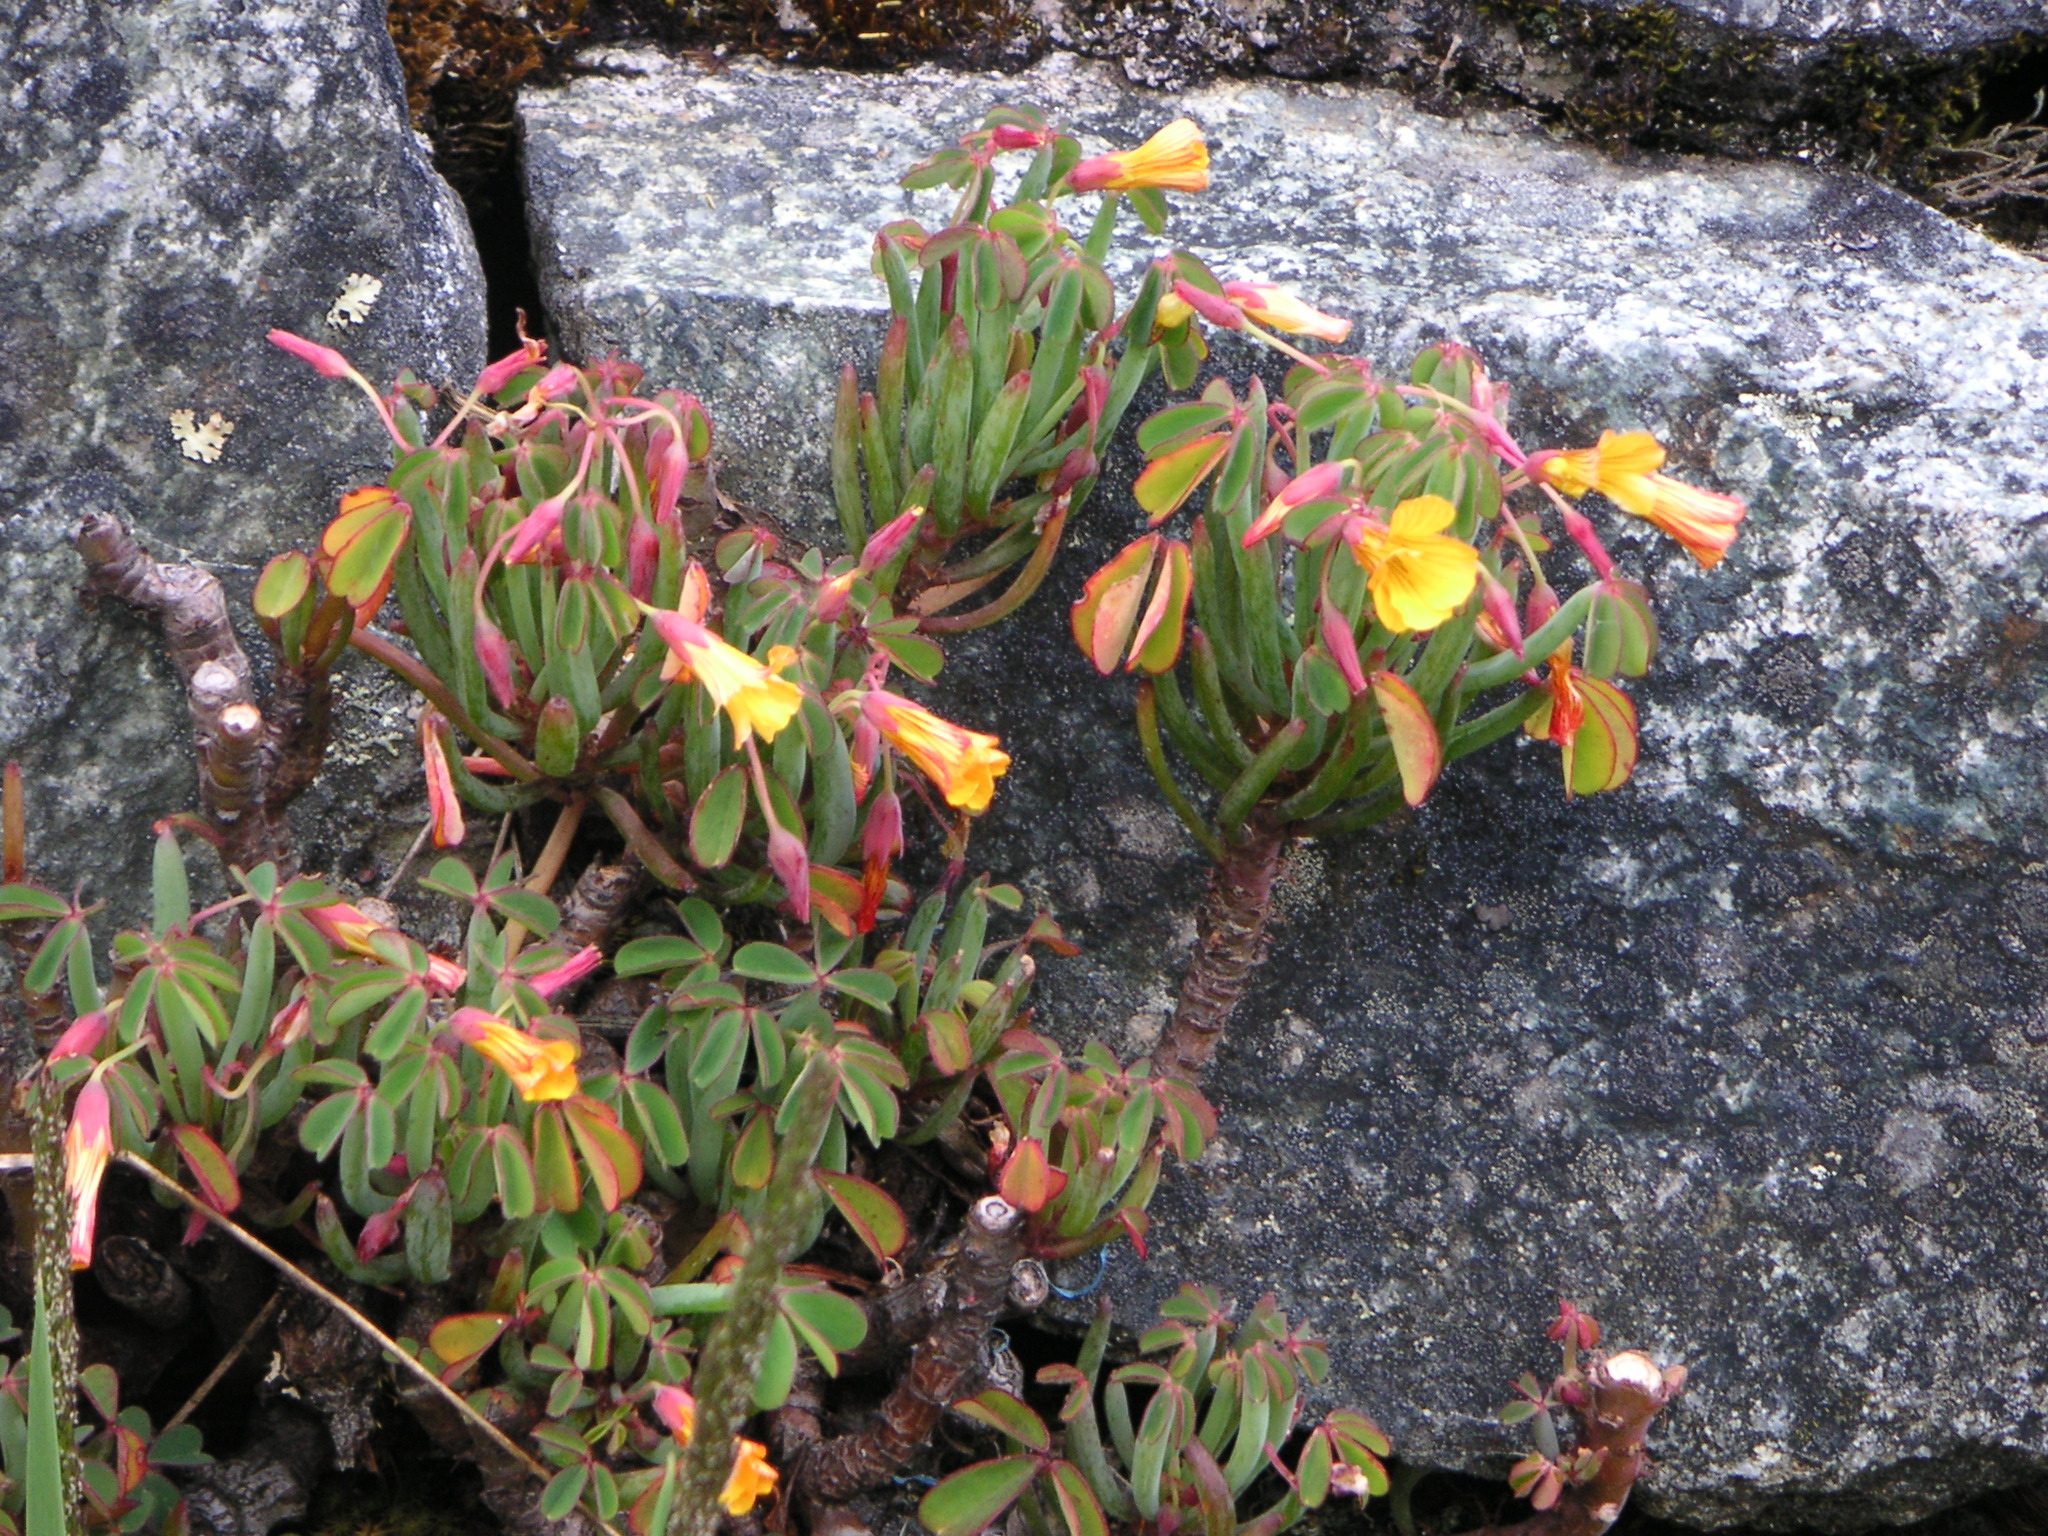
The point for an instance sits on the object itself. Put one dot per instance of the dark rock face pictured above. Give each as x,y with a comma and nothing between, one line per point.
1726,74
174,182
1747,1058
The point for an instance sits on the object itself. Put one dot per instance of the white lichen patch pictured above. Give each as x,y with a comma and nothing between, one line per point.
201,441
352,305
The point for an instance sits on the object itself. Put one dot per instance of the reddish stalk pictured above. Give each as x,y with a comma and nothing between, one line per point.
1229,944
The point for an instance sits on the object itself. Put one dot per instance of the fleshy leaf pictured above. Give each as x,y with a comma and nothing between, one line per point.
1109,603
1170,479
1417,750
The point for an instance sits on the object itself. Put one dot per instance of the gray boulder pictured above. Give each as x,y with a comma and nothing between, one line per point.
174,181
1747,1058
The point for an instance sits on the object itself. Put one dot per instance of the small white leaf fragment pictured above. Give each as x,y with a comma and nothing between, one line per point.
357,295
201,440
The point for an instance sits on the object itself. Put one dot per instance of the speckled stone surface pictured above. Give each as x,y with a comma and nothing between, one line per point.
174,181
1749,1058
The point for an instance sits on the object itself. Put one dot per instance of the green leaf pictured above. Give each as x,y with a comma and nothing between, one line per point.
1171,478
45,1471
771,962
531,911
720,813
919,657
1078,1504
563,1490
1007,1415
665,952
325,1122
28,901
1312,1472
170,888
971,1499
778,1367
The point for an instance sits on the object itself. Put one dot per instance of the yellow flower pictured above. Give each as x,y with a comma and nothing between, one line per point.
1418,575
964,764
1265,304
747,690
542,1070
1624,467
752,1479
1173,311
1175,158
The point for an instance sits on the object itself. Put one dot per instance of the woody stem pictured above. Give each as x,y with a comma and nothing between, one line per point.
1229,944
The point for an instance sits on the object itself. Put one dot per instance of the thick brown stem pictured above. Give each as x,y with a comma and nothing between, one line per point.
301,721
1625,1394
1230,939
238,751
977,1289
598,902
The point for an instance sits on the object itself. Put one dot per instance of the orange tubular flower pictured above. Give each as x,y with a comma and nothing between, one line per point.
752,1479
444,808
1175,158
1418,574
964,764
1264,304
542,1070
88,1144
756,700
1624,467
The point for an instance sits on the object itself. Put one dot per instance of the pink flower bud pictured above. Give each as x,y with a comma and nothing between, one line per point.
83,1037
444,806
867,745
887,541
510,366
1016,136
444,976
882,836
289,1026
1343,649
1079,464
677,1411
643,554
494,655
1312,484
792,867
1500,607
558,979
557,381
1542,603
324,361
536,528
832,597
1212,307
671,465
380,1231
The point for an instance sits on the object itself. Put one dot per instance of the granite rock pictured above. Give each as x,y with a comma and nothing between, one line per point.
1749,1057
1692,74
174,181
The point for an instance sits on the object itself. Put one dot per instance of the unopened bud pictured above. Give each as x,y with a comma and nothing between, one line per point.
792,867
1016,136
1212,307
557,740
1080,464
494,655
887,541
643,554
324,361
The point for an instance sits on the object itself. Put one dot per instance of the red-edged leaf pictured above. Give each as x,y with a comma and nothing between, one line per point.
554,1165
1312,1471
460,1339
1173,477
1078,1506
1157,646
870,1210
1029,1180
945,1036
1417,751
284,581
218,1186
1007,1415
608,1152
1604,754
971,1499
1108,605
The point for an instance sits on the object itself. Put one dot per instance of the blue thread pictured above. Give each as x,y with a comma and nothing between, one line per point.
1101,1273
